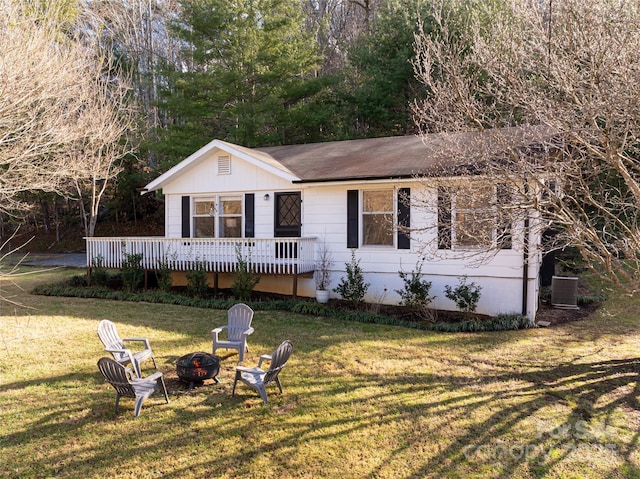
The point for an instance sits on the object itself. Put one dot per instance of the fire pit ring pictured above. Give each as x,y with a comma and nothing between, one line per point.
198,366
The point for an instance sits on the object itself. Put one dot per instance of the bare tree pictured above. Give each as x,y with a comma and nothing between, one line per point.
64,114
572,66
139,30
338,24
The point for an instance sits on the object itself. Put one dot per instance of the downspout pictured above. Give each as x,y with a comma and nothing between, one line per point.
525,255
525,266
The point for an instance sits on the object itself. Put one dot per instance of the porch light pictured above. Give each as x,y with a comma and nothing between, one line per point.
211,212
266,197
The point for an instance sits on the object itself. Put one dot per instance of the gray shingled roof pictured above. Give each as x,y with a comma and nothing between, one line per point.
399,157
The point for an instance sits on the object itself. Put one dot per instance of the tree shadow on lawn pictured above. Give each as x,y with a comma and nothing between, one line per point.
578,387
587,390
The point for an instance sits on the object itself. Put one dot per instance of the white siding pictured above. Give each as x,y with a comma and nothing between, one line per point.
324,216
500,275
203,178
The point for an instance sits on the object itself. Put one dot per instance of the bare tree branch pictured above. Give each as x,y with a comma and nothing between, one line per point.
574,68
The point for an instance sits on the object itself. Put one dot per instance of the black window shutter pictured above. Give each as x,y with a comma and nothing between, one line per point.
352,218
404,218
186,217
249,215
444,218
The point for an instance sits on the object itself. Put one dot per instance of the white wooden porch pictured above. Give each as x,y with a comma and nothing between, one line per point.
277,256
265,256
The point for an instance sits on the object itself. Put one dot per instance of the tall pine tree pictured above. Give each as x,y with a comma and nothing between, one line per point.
245,62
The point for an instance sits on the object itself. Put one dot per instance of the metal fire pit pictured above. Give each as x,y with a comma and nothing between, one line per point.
196,367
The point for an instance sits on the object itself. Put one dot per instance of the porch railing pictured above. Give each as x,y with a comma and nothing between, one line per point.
265,256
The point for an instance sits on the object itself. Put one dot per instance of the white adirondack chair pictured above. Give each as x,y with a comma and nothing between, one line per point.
259,379
238,327
127,385
115,345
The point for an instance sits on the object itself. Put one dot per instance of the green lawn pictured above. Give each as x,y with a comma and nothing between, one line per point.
360,400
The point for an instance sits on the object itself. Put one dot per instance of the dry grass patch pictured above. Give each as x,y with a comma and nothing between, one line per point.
360,400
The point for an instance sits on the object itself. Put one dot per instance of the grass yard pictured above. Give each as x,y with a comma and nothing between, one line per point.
360,400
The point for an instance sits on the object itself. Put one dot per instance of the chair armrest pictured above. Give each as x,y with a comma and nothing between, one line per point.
264,357
141,340
124,352
247,332
216,331
248,370
154,377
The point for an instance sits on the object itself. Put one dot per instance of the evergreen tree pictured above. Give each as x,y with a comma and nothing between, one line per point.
245,62
381,84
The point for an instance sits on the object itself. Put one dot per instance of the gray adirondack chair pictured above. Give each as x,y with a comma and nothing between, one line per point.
115,345
259,379
238,327
127,384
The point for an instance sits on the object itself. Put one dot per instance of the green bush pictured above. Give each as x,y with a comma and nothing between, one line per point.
163,276
245,279
99,275
352,288
415,293
132,272
498,323
466,296
197,286
77,281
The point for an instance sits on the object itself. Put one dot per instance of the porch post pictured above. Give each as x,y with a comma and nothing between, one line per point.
295,281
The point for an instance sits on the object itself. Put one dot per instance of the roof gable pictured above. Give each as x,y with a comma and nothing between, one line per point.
254,157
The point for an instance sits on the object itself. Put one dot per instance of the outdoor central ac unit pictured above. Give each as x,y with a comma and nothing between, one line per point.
564,292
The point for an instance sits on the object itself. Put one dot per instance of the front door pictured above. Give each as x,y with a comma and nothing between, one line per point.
288,222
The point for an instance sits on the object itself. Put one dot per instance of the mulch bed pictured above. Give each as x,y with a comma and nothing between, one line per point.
555,316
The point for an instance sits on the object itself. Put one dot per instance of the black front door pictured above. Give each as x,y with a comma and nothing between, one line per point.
288,215
288,222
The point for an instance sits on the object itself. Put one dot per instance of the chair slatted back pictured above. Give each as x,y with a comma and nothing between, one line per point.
108,334
116,375
239,319
279,359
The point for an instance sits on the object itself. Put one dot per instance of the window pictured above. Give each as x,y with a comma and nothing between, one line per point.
474,217
377,217
469,216
225,211
230,217
372,219
204,218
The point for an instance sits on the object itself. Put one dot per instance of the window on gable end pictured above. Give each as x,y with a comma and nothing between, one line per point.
217,217
230,217
204,218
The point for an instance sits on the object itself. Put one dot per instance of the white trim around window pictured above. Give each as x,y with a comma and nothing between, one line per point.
217,216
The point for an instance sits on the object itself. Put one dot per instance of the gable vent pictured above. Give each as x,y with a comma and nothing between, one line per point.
224,165
564,292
